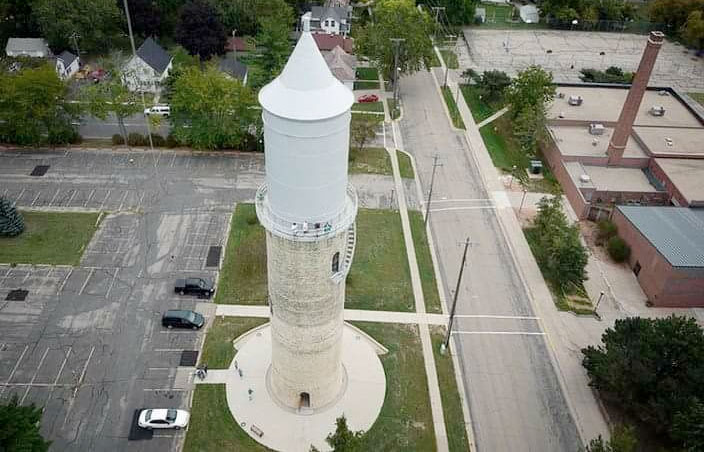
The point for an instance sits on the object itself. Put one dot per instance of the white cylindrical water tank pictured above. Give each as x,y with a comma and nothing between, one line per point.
306,115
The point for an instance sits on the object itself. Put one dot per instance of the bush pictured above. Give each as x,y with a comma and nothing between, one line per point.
171,141
136,139
618,249
117,140
158,141
11,221
607,229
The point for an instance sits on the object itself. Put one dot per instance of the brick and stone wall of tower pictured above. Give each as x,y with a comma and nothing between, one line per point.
307,319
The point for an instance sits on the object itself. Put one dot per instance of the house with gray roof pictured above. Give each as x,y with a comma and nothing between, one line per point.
234,69
27,47
147,70
67,64
332,19
667,252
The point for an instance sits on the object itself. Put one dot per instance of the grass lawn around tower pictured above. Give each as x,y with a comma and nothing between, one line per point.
218,351
405,166
379,278
50,238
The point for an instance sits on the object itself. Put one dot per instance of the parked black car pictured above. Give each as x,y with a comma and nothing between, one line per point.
195,286
182,319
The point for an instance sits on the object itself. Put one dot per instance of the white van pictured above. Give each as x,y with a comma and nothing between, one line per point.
159,110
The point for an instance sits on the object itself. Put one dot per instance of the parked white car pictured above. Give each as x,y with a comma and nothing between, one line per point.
158,110
163,418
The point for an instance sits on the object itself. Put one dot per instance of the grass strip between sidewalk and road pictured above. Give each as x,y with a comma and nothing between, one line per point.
450,58
365,84
452,107
243,279
699,97
405,166
212,427
367,73
50,238
379,278
218,351
451,402
369,161
394,112
405,421
425,263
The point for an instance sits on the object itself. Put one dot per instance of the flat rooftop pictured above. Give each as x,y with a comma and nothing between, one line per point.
676,232
604,104
609,178
577,141
667,142
687,175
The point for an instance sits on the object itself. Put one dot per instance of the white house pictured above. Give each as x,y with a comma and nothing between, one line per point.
529,14
29,47
148,69
67,64
334,19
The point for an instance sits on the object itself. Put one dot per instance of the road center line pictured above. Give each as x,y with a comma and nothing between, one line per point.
513,317
507,333
463,208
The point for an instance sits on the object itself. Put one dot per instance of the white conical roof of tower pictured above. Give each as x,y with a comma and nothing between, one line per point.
306,89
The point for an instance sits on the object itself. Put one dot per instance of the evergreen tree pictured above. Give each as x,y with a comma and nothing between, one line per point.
11,221
20,428
344,439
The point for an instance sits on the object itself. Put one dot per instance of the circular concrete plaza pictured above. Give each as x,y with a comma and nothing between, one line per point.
285,430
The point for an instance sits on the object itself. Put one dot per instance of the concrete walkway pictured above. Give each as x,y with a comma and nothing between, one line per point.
493,117
574,382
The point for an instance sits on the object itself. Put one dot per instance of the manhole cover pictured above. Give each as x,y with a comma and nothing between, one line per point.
137,432
39,170
213,259
189,358
17,295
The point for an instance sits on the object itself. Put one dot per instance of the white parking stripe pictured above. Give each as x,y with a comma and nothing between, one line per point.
54,197
85,283
61,287
124,196
105,199
36,198
34,377
75,190
18,198
92,192
14,369
107,294
56,380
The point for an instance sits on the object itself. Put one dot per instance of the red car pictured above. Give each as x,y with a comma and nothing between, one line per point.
368,98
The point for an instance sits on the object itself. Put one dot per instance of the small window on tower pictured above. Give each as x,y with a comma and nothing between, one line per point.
336,262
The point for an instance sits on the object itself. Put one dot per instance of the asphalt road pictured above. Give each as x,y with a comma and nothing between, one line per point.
515,398
94,128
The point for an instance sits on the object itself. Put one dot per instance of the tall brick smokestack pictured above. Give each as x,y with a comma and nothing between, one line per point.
634,98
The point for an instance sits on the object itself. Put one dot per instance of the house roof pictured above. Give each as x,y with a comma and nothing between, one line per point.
335,12
327,41
233,67
341,64
154,55
675,232
306,90
20,45
239,43
67,57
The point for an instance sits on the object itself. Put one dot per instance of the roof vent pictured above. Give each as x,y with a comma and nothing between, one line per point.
596,129
663,93
657,110
585,179
561,115
595,142
668,141
575,101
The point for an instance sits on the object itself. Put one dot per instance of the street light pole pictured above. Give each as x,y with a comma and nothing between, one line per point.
134,54
522,199
446,343
397,44
430,192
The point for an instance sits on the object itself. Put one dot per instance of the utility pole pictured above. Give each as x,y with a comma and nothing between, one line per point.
75,37
397,44
234,45
454,298
134,54
437,10
447,66
430,192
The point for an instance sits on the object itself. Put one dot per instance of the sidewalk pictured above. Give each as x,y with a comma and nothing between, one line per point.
565,334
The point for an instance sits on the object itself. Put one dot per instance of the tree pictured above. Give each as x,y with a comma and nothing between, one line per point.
557,248
16,20
458,12
96,22
688,427
492,84
210,110
200,31
343,439
273,39
622,440
654,369
111,96
529,128
145,16
397,19
693,30
673,13
35,109
532,87
11,221
20,428
363,129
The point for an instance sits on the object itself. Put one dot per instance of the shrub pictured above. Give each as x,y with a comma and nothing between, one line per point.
618,249
158,140
135,139
171,141
252,220
607,229
11,221
117,139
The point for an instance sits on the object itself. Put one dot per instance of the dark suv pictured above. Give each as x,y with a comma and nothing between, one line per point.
194,286
182,319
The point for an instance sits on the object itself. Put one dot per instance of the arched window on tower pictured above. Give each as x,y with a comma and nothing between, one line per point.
336,262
